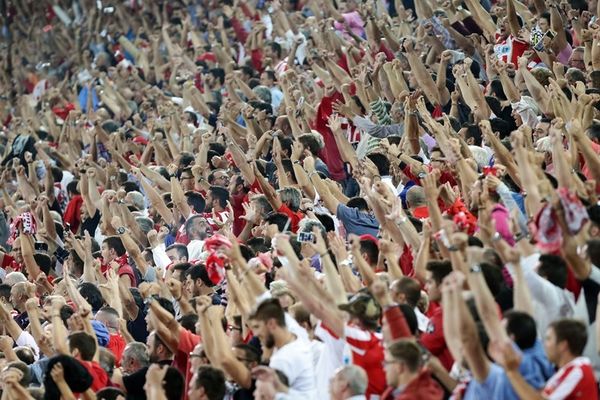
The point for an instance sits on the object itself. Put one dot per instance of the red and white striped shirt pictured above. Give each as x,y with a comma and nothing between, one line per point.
574,380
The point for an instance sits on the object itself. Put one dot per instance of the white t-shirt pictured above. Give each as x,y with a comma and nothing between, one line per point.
195,248
332,358
295,361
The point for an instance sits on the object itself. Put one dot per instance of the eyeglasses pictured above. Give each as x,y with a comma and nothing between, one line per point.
234,328
195,355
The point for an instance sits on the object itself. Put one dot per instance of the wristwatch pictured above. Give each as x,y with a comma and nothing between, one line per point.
121,230
475,268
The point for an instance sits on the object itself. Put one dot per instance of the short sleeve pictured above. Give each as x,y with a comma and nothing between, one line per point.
187,341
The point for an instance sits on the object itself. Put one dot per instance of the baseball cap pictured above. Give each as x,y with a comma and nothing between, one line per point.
363,306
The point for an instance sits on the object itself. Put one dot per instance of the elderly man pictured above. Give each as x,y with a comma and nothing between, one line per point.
349,383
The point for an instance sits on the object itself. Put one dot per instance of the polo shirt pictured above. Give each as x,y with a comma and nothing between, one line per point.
357,222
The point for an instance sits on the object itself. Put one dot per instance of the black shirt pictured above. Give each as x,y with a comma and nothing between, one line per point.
134,383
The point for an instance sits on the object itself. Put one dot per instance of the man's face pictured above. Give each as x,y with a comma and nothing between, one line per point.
173,255
541,130
197,358
16,251
265,80
187,181
221,179
576,60
391,369
107,253
437,160
261,329
192,287
550,346
152,348
15,297
431,287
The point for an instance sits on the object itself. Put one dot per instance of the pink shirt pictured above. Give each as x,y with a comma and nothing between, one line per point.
355,22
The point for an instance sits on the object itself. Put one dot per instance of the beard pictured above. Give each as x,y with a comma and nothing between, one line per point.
153,358
269,341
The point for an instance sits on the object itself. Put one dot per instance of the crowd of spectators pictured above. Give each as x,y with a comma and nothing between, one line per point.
299,199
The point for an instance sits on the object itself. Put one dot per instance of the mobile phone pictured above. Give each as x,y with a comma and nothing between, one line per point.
306,237
539,46
550,34
109,10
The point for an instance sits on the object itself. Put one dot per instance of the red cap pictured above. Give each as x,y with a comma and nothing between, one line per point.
370,238
420,212
207,57
140,140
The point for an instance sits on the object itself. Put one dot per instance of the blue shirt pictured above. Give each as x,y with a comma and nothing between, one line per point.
357,222
535,368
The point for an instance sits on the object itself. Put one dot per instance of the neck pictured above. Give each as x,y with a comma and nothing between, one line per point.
283,338
565,359
406,378
205,290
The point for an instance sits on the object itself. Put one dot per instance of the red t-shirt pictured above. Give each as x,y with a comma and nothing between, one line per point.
116,345
434,341
99,376
294,217
574,380
367,352
187,342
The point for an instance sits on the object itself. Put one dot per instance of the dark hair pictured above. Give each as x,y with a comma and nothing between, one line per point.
72,187
130,187
5,291
501,126
174,385
251,354
181,267
573,331
473,131
310,142
493,277
270,74
115,243
92,295
594,130
522,327
195,201
198,271
166,304
279,219
269,309
381,162
182,250
212,380
25,354
358,202
408,352
218,73
554,269
327,222
220,194
188,322
276,48
109,393
439,270
83,342
44,262
370,248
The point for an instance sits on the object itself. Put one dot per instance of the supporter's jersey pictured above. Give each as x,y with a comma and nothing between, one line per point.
573,381
367,352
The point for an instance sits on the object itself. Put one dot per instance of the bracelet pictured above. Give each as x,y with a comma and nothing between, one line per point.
376,176
312,173
297,162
